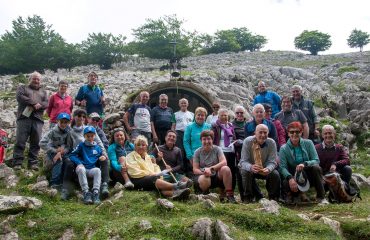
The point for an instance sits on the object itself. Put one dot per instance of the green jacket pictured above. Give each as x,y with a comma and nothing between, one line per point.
288,162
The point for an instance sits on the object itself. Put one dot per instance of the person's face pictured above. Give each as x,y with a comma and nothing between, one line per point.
286,105
163,101
261,134
183,105
223,117
296,93
294,135
261,87
328,135
207,142
119,138
90,137
93,79
144,98
239,114
200,118
63,88
258,113
268,113
170,139
215,109
80,119
63,123
35,81
141,148
94,121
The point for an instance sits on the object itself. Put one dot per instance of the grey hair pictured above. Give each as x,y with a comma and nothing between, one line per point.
163,95
329,127
297,87
239,107
222,110
258,105
35,73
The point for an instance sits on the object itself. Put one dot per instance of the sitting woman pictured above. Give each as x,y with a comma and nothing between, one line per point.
117,152
146,175
210,167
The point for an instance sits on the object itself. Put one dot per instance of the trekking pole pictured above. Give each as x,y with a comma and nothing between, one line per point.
165,163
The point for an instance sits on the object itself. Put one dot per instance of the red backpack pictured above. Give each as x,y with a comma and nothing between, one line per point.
3,144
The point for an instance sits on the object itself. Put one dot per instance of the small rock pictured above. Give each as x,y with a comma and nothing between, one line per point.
18,203
222,230
5,227
164,203
118,187
202,229
118,195
8,174
67,235
31,224
270,206
40,186
316,216
105,205
212,196
116,237
209,204
10,236
194,197
334,225
304,216
41,178
251,238
145,225
28,174
89,232
361,180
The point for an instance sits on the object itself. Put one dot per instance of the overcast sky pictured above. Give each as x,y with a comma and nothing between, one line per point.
278,20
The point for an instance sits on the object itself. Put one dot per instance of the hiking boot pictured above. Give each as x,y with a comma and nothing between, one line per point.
104,190
303,197
95,198
58,187
231,199
129,185
64,195
323,201
87,198
180,185
181,194
189,183
34,167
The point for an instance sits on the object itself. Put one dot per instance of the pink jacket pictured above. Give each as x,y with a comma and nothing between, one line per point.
58,105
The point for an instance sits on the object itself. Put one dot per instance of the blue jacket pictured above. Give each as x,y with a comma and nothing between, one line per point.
250,128
116,151
92,97
192,138
86,155
271,98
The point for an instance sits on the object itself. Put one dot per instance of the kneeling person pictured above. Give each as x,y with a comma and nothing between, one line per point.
210,167
258,160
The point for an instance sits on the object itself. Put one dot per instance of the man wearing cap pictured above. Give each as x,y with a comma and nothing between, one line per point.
32,101
270,97
91,96
258,160
333,157
57,143
94,119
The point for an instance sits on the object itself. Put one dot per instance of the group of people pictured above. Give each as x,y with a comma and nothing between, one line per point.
159,149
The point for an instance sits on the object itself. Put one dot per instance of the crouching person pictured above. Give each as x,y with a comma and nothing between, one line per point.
258,160
86,156
210,168
146,175
57,143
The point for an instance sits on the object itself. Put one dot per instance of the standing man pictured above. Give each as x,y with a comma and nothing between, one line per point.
258,160
32,101
160,119
137,118
306,106
91,96
269,97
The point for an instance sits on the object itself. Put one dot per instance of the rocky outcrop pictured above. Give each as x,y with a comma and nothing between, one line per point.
16,204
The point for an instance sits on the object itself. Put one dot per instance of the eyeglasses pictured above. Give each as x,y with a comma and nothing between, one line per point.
294,132
84,116
239,113
95,119
215,107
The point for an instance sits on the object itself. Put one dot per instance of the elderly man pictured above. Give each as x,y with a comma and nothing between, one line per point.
306,106
258,160
270,97
91,96
32,101
333,157
289,115
160,119
137,118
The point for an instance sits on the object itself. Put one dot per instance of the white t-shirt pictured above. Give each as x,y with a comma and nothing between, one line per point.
211,119
182,119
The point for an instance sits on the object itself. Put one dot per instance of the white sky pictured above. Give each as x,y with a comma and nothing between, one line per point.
278,20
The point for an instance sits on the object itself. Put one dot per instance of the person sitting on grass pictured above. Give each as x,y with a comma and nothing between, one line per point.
210,168
146,175
86,156
117,153
57,143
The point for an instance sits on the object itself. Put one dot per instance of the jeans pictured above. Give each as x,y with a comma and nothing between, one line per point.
84,173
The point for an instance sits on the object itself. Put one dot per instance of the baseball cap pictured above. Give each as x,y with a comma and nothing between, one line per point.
63,115
94,115
89,129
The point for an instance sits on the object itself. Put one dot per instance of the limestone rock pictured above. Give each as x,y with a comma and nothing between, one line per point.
68,235
212,196
165,204
31,224
202,229
40,186
10,236
145,225
7,119
209,204
41,178
304,216
334,225
8,175
222,230
18,203
118,187
118,195
270,206
105,205
361,180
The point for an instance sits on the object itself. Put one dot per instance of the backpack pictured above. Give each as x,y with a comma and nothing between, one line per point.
3,144
340,191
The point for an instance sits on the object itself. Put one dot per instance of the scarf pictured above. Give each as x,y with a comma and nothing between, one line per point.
228,131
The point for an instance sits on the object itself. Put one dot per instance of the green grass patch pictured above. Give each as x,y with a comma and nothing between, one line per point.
344,69
7,95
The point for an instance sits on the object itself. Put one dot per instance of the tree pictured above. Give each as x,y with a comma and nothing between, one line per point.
33,45
103,49
358,38
248,41
153,38
313,41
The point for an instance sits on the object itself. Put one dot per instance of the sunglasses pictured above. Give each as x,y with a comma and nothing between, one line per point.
84,116
95,119
239,113
294,132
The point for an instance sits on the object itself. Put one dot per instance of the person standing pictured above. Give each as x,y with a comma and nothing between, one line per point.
160,119
32,101
270,97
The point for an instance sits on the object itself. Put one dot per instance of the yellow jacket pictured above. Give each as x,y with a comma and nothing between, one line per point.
138,167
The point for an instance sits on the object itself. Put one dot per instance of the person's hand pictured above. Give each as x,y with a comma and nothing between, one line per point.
155,139
102,158
57,157
83,103
79,166
333,168
299,167
317,133
123,169
160,154
168,167
37,106
207,172
264,172
102,100
255,168
153,159
293,185
121,160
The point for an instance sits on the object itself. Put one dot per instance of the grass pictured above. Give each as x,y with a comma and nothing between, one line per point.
7,95
344,69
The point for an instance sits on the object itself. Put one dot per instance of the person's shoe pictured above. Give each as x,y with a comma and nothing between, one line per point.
129,185
303,197
87,198
289,198
323,201
189,183
95,198
56,186
64,195
181,194
34,167
17,167
104,190
231,199
181,185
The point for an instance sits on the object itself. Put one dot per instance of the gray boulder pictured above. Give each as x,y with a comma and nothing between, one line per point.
202,229
8,175
18,203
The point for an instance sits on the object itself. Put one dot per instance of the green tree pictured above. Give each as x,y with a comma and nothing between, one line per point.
153,38
103,49
248,41
358,39
33,45
225,41
313,41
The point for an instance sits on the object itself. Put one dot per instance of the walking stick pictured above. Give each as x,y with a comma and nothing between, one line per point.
165,163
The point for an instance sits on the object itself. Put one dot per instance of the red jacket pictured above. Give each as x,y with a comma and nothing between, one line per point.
58,105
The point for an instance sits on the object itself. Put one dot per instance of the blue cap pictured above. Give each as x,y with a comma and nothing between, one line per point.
64,115
89,129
